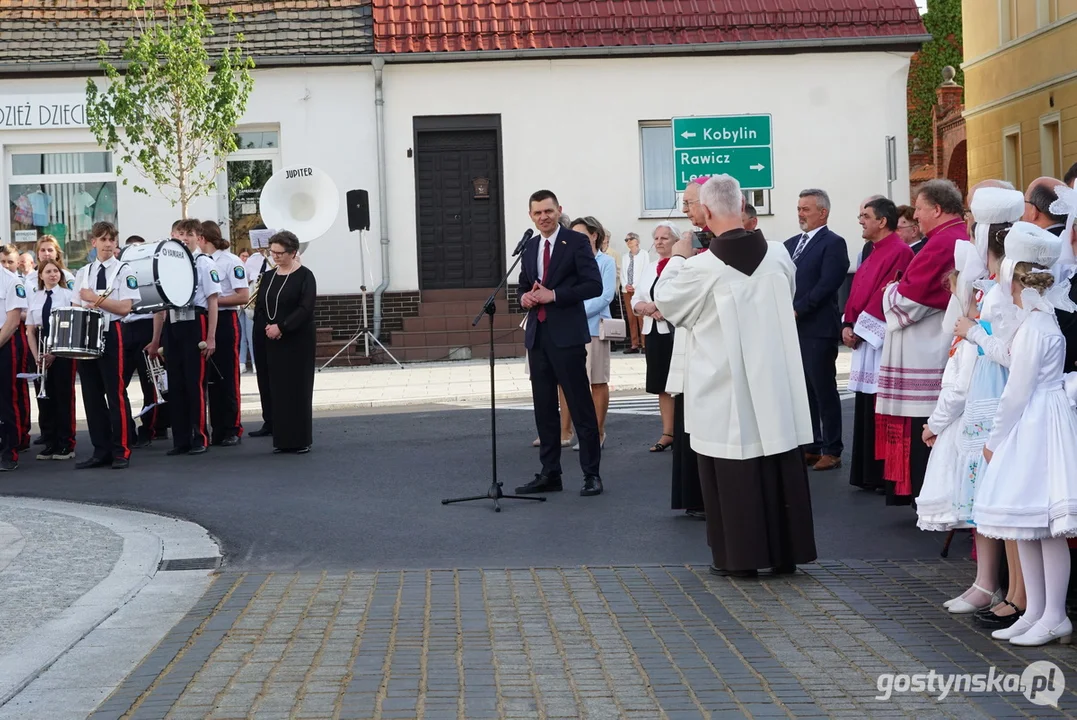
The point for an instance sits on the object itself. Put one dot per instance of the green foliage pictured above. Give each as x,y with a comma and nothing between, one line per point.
943,21
171,114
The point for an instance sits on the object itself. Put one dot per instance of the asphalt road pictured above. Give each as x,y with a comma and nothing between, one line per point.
368,497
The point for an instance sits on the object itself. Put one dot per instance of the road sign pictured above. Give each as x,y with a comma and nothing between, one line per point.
737,145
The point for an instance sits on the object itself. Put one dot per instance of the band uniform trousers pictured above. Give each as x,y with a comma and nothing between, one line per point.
136,336
104,395
224,401
56,412
9,428
551,366
258,342
187,381
26,365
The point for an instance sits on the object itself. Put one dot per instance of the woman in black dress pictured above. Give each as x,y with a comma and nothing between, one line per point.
286,306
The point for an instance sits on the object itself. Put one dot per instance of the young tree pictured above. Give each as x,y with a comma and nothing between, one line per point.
171,112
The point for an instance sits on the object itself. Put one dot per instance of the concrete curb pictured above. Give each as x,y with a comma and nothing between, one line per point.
147,540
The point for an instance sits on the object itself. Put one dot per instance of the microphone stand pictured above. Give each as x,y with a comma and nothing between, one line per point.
494,493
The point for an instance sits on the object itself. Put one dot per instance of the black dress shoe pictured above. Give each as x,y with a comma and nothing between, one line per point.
990,621
197,450
143,442
697,514
541,484
592,485
93,462
722,572
178,451
783,570
261,432
120,464
39,440
230,441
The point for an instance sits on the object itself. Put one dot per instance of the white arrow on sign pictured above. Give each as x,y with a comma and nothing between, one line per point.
757,166
687,135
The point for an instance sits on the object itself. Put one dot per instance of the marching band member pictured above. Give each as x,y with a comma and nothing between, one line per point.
258,264
190,339
56,411
111,287
224,402
13,297
48,248
9,259
137,334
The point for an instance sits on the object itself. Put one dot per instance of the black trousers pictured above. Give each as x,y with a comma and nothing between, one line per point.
224,402
136,336
186,381
552,366
262,372
22,393
56,412
9,428
820,358
104,395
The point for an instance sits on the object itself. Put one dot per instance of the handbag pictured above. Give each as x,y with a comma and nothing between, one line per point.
611,329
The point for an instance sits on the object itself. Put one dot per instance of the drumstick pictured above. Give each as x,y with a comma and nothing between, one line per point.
101,299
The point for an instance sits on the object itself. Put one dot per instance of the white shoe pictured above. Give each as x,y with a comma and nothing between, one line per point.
1041,635
1018,628
243,367
961,606
576,447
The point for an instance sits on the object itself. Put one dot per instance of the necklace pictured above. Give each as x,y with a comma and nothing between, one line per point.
276,301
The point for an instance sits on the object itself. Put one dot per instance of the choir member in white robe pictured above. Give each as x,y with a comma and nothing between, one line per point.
746,404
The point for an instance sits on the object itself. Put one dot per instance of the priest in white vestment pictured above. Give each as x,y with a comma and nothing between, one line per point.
746,404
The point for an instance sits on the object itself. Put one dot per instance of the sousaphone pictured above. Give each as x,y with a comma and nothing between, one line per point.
302,199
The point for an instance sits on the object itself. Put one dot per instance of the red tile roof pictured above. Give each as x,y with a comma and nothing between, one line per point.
417,26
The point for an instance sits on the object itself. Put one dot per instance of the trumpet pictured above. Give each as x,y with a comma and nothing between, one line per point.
254,294
156,369
42,368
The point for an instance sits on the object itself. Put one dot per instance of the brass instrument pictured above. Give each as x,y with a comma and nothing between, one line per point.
254,293
158,375
42,368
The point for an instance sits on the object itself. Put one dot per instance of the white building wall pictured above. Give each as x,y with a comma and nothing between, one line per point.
568,125
573,126
325,117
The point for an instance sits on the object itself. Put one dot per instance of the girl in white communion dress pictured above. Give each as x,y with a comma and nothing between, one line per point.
1029,492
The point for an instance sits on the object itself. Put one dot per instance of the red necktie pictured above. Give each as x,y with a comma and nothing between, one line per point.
545,274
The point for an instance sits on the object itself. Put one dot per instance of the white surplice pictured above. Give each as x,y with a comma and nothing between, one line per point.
743,378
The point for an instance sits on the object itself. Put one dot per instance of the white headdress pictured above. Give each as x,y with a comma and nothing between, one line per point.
1029,243
1066,204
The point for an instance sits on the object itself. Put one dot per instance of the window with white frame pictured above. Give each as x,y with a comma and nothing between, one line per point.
659,199
1011,155
246,172
1051,145
60,192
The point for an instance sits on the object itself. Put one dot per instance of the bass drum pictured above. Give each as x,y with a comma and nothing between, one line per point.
76,332
165,272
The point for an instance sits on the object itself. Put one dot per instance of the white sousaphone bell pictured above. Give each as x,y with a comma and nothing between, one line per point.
302,199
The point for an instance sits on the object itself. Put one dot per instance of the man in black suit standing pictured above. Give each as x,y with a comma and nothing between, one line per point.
558,272
822,261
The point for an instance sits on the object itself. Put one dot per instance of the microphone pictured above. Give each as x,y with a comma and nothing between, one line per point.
523,241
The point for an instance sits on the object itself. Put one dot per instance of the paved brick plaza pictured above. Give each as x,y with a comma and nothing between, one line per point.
623,642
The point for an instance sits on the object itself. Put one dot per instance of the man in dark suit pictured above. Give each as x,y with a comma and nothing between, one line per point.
822,261
558,272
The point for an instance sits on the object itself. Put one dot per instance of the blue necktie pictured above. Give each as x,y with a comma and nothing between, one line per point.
102,281
800,246
46,310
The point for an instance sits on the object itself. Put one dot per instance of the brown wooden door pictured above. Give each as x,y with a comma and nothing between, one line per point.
459,231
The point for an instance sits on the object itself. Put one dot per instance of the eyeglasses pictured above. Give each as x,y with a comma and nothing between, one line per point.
865,216
276,253
689,203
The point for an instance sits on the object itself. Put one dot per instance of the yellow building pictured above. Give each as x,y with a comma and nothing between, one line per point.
1020,88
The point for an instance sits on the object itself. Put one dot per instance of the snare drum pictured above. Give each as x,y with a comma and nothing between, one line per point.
165,272
78,333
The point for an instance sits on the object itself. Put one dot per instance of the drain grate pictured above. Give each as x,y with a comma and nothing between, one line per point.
204,563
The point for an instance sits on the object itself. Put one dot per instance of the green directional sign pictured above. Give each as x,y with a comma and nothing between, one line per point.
737,145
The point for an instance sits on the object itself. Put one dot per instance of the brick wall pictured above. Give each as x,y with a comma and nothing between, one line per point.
343,313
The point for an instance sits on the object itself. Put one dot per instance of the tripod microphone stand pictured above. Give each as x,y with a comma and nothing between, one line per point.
489,309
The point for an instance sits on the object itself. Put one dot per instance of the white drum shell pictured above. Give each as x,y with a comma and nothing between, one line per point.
165,272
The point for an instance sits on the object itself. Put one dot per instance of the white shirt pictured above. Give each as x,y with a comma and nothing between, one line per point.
208,280
541,245
256,264
12,292
642,260
232,273
118,276
61,297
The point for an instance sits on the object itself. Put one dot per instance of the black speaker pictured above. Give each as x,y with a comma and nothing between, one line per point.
358,210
